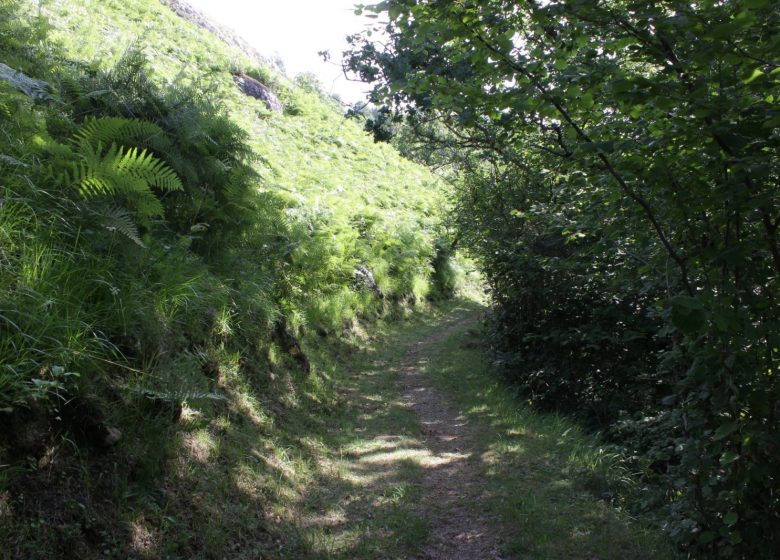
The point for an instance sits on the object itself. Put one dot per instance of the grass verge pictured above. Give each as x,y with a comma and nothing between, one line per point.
288,465
555,488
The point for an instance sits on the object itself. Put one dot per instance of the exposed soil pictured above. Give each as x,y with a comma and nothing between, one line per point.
451,488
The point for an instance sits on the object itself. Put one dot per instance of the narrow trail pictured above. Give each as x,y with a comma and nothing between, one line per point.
457,529
433,461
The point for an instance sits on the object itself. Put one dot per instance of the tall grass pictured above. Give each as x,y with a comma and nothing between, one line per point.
169,250
145,222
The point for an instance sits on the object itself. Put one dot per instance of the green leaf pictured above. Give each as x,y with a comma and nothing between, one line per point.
606,147
757,73
706,537
725,430
688,314
772,123
587,101
730,518
722,31
505,41
728,457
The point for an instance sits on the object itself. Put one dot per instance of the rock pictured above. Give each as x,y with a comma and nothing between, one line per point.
112,437
253,88
224,34
36,89
364,278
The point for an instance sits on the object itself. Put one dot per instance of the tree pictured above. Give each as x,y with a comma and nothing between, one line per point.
651,130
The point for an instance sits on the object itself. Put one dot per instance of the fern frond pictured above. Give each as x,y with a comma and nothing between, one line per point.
124,171
119,220
235,186
92,174
147,205
146,167
117,130
71,87
91,185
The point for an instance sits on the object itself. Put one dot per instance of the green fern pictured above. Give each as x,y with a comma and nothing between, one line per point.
125,171
117,130
119,220
72,90
78,88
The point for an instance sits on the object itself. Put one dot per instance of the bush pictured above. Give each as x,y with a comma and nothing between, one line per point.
617,172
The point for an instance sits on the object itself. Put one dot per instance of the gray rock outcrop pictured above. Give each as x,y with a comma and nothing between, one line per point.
36,89
224,34
364,279
253,88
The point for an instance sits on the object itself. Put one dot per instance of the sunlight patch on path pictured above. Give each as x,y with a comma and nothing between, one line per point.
452,488
422,457
406,471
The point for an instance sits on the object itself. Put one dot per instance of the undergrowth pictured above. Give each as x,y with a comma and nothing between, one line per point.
176,260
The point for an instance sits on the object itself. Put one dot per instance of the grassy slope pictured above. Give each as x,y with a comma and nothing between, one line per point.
328,170
230,477
263,476
323,161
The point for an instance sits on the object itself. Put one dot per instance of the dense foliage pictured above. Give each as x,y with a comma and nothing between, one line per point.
618,177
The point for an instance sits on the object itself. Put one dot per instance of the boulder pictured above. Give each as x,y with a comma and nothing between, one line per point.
364,279
37,89
253,88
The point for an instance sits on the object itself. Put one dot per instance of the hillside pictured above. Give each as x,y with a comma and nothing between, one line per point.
323,167
186,270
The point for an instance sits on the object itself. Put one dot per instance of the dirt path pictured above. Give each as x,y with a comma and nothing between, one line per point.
451,484
433,461
408,479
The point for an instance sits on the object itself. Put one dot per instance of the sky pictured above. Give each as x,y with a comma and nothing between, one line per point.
296,30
